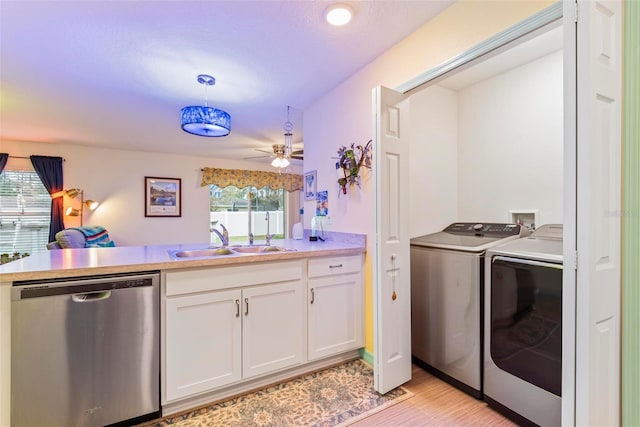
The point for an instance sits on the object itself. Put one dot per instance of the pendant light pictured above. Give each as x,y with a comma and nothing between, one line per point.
205,120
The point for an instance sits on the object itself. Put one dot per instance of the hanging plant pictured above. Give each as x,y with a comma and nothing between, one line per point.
350,160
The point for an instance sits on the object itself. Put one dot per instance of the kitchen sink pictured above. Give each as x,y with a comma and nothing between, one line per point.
196,253
259,249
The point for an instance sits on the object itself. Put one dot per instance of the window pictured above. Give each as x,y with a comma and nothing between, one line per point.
25,214
229,206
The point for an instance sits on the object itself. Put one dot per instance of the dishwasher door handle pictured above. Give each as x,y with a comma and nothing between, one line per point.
90,297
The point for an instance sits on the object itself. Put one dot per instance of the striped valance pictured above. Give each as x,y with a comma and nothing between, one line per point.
244,178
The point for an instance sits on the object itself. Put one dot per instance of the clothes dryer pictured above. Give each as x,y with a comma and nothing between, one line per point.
446,299
523,328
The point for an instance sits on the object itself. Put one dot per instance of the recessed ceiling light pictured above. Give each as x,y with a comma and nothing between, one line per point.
338,14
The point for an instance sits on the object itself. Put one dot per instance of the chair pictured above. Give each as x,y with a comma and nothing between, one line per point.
81,237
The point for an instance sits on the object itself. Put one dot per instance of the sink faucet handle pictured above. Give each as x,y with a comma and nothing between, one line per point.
225,235
268,236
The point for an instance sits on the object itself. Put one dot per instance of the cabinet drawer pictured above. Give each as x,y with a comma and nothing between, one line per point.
216,278
329,266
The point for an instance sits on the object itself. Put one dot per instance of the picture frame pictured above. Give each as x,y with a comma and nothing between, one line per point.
162,197
322,203
310,185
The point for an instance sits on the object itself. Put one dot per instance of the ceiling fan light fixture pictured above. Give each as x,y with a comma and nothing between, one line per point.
205,120
281,160
338,14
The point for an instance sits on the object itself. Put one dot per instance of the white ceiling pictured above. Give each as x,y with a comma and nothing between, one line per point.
116,73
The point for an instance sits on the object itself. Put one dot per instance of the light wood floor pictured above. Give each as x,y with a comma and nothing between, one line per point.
435,403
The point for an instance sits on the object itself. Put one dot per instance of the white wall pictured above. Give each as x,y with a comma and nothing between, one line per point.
433,201
116,179
510,143
344,115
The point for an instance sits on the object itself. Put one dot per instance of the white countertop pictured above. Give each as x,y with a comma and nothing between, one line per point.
125,259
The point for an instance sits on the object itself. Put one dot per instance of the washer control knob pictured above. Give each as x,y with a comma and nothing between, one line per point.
478,227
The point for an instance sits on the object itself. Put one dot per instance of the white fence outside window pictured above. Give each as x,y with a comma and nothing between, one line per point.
238,225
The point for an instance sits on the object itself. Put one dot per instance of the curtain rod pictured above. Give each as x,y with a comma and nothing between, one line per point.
28,158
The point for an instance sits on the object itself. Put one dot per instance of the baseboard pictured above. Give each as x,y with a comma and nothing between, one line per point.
366,356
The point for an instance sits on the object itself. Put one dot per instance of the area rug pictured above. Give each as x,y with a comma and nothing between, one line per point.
336,396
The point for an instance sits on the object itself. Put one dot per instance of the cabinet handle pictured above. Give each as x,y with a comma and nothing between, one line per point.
246,306
237,308
313,296
335,266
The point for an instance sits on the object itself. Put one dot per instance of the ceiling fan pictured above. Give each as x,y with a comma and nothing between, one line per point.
283,152
279,151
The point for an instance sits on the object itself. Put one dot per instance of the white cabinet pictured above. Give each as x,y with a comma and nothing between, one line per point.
203,342
335,305
274,328
223,325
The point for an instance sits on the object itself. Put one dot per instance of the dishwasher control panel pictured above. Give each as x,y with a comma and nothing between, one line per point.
51,287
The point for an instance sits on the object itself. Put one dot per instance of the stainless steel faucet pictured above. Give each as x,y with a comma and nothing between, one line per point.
249,197
224,236
268,236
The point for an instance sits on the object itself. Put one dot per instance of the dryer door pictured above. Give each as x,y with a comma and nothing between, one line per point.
526,320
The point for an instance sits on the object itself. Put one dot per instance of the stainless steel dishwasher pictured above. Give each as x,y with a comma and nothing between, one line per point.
85,351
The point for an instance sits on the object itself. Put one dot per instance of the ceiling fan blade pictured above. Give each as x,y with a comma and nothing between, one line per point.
254,157
263,151
297,157
296,152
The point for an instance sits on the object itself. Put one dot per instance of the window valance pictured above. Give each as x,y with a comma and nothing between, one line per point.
244,178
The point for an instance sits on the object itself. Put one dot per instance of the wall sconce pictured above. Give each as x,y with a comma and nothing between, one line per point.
90,204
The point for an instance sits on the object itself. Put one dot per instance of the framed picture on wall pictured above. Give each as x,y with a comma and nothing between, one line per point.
310,182
162,197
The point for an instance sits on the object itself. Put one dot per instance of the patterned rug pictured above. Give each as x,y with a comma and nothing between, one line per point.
336,396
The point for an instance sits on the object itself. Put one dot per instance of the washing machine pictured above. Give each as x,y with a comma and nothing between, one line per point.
523,328
446,299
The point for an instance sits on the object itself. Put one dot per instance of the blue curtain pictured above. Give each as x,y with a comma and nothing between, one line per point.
49,169
3,161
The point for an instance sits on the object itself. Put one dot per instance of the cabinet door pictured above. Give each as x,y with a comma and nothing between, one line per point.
274,327
335,315
203,342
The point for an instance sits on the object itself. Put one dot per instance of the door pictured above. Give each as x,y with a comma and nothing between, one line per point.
203,342
335,315
598,205
273,327
392,283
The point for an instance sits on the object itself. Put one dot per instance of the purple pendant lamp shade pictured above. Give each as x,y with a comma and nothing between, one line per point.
205,120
